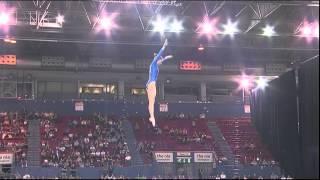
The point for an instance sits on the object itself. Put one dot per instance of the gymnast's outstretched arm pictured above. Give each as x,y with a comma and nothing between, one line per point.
158,56
160,61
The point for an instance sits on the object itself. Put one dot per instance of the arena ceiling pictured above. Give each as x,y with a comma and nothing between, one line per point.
36,31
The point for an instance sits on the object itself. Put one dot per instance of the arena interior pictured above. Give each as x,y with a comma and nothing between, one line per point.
239,99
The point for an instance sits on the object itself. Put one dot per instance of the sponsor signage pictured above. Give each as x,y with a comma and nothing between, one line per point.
6,158
163,107
183,157
183,154
203,157
78,106
163,156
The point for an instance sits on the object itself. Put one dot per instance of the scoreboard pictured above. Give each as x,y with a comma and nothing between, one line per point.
190,65
8,60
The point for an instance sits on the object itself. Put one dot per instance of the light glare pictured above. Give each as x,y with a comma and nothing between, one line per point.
106,23
268,31
4,18
306,30
230,28
60,19
176,26
244,83
159,25
316,29
262,83
208,27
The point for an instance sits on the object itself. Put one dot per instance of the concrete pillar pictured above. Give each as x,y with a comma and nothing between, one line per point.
203,91
121,89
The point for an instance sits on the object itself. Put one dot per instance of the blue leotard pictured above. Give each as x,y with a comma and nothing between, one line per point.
154,68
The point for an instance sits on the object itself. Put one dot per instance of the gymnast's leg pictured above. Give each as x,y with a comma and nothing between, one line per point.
152,92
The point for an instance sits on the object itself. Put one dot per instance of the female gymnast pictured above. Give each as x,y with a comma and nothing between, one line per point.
151,84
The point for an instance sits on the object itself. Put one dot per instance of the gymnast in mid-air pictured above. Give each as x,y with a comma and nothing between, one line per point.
153,75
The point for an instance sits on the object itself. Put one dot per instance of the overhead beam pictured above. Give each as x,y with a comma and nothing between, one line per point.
102,6
190,43
260,16
141,22
86,12
217,7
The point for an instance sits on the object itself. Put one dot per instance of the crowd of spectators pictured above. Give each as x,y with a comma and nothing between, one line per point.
245,141
94,141
13,135
173,132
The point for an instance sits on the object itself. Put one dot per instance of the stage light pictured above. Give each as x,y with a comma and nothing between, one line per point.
262,83
244,83
60,19
200,48
268,31
4,18
306,30
176,26
8,40
128,158
106,23
208,27
159,25
316,29
230,28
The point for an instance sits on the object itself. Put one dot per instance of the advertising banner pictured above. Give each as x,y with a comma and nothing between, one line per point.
163,156
6,158
203,157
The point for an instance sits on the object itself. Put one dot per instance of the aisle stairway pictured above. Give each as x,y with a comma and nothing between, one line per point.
232,165
33,155
131,140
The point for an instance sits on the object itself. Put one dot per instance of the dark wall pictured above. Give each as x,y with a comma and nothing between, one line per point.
286,115
309,117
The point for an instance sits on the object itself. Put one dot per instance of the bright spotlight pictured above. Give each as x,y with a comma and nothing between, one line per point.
8,40
128,158
262,83
4,18
306,30
106,23
316,29
176,26
208,27
244,83
230,28
159,25
60,19
268,31
200,48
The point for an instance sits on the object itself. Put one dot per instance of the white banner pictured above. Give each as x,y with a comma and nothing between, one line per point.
78,106
163,107
6,158
183,154
203,157
246,108
164,156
